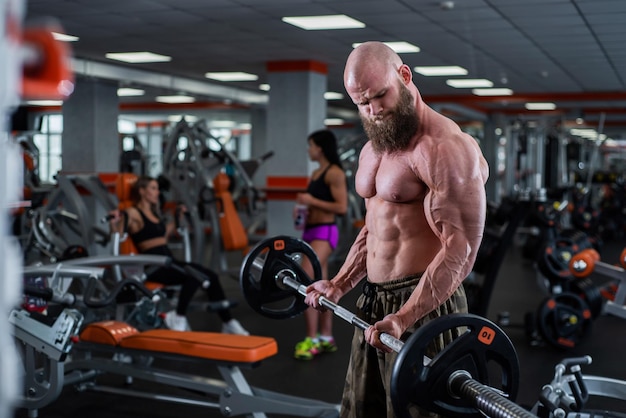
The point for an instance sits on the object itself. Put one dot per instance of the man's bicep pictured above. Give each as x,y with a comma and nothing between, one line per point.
456,203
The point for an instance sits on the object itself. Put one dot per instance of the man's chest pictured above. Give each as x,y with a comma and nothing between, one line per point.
392,179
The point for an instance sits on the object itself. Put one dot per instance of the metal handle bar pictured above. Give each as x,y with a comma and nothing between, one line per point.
49,295
286,277
111,260
63,270
91,301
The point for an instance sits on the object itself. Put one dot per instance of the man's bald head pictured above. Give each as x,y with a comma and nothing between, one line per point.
370,56
379,83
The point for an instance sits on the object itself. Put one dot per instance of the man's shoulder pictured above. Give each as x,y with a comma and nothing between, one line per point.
367,151
449,137
434,148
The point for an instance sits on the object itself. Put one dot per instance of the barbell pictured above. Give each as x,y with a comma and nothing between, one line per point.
476,374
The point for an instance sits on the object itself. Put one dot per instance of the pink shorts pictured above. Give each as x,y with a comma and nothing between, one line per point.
324,232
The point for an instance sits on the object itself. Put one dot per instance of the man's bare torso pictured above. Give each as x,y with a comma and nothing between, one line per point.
400,241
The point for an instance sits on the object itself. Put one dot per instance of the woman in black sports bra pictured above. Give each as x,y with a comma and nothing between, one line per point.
149,233
326,198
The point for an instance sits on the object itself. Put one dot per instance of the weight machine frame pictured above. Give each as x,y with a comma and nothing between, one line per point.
53,359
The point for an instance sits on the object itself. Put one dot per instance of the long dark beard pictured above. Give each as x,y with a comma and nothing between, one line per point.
395,133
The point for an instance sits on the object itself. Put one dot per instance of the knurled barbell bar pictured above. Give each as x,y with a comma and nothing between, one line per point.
454,383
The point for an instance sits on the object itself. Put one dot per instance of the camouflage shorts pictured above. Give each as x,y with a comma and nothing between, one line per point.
367,388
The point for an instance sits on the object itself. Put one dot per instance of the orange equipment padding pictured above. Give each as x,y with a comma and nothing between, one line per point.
29,161
107,332
123,185
234,236
49,74
209,345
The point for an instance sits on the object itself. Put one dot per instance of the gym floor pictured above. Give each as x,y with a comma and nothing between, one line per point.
516,291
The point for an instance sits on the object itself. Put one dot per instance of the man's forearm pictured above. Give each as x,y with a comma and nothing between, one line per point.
354,268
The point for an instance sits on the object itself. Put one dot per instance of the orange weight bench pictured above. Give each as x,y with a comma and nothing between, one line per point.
170,366
231,394
207,345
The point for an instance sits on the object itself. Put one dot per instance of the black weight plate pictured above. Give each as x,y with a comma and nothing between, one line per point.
480,348
589,291
258,276
564,320
553,262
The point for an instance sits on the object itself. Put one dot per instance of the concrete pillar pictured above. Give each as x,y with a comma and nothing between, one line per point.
296,108
258,143
90,140
90,137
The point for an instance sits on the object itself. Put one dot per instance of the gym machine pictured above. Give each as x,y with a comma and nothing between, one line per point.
61,283
349,149
200,172
69,217
56,354
145,313
133,158
588,261
538,176
44,341
569,392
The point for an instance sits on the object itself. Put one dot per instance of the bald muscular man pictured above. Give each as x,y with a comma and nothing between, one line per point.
423,182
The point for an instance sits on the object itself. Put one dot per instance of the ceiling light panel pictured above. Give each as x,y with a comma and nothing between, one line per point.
492,92
436,71
175,99
64,37
540,106
469,83
232,76
333,122
44,102
138,57
333,95
324,22
129,92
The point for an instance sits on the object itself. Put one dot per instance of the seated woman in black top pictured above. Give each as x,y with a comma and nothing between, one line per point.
149,233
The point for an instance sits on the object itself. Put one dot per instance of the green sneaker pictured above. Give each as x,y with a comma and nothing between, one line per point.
328,346
307,349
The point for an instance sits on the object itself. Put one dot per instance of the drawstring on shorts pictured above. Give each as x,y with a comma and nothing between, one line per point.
386,291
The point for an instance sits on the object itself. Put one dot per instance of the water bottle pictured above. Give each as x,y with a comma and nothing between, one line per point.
300,220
